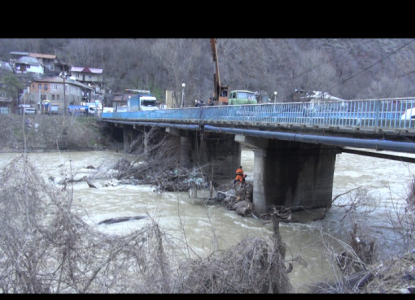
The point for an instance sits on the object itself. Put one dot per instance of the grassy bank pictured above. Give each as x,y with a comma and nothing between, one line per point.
49,133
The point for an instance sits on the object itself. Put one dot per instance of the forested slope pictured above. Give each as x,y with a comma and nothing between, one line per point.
346,68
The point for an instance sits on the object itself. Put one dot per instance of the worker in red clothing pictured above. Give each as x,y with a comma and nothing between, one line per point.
239,176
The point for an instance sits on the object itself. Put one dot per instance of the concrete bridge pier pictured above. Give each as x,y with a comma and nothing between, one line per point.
291,174
196,150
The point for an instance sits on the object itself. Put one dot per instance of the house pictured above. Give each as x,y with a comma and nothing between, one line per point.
48,61
36,64
52,89
91,77
28,64
88,76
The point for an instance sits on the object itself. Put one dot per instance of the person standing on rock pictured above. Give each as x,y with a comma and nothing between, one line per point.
239,176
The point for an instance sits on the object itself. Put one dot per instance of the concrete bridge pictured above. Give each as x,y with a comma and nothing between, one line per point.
295,144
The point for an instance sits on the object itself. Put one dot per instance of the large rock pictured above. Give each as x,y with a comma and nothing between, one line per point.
242,208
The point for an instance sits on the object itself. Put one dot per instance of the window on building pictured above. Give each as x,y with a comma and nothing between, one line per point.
54,87
53,97
77,75
33,86
46,87
42,97
58,97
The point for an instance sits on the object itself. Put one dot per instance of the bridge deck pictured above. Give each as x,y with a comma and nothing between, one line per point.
386,119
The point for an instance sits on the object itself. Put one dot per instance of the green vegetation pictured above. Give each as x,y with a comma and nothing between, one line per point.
11,85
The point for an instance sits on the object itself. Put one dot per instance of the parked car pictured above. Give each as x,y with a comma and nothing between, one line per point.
26,109
29,111
409,114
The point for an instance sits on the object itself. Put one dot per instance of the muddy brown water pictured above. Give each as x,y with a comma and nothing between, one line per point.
206,228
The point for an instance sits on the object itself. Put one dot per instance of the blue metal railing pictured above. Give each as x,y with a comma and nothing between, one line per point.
380,113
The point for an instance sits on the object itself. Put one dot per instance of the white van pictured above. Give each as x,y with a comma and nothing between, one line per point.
29,110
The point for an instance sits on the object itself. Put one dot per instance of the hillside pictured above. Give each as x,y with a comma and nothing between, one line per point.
346,68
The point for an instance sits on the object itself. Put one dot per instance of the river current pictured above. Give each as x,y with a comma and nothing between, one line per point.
206,228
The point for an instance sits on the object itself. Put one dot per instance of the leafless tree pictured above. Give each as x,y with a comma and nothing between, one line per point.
402,218
386,87
313,72
47,248
178,63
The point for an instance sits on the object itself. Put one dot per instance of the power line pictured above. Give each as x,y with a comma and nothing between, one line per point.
369,66
364,43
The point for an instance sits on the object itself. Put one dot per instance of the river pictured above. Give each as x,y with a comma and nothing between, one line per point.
206,228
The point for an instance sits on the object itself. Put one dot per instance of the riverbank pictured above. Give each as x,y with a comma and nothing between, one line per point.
85,134
53,133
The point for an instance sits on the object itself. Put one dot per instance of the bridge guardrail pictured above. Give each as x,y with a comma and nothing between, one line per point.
381,113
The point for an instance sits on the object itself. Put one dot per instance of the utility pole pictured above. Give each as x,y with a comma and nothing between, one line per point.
65,108
40,100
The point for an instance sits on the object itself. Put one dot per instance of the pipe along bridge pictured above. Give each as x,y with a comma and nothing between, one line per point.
295,144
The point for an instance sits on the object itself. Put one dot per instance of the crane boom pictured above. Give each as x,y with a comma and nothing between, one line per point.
220,93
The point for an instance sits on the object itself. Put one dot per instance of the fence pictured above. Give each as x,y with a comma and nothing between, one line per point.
382,113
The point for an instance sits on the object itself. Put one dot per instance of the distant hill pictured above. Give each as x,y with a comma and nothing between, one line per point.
346,68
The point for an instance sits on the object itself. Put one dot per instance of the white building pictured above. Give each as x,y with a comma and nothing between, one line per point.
35,63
